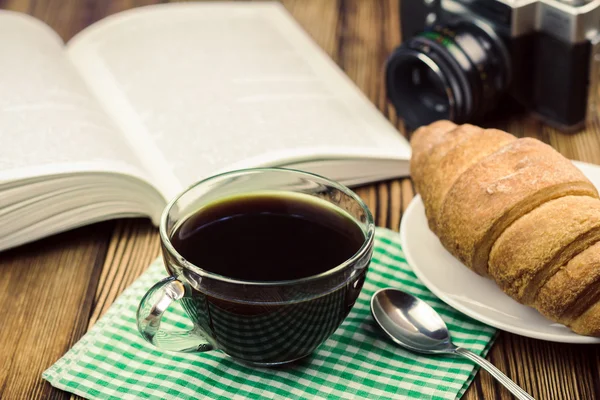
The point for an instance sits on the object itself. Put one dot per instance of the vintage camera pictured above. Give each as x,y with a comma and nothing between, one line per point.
462,58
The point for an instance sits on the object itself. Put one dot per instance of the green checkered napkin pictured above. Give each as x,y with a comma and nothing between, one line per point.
112,361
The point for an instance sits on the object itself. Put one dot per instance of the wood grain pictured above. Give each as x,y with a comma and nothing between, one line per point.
53,290
46,293
133,246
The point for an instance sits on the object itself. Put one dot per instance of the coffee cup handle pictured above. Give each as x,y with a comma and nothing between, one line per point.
149,315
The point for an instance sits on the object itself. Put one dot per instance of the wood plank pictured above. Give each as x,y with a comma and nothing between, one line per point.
396,201
133,246
46,292
23,6
549,370
360,56
65,17
382,204
326,14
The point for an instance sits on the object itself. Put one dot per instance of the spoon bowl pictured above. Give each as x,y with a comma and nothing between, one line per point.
410,322
415,325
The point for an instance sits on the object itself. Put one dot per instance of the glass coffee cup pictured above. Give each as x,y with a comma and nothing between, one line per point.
259,322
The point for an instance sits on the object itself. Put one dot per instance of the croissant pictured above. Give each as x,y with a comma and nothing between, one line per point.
515,211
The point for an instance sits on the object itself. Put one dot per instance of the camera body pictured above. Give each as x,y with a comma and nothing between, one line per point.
461,57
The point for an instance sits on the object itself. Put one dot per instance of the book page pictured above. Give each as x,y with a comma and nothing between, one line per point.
207,86
49,122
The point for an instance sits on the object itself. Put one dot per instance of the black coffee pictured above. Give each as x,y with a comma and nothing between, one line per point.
268,237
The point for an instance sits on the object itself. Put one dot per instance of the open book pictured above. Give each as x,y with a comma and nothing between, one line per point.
146,102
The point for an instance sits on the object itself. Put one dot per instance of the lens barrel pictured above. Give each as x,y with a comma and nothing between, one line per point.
456,71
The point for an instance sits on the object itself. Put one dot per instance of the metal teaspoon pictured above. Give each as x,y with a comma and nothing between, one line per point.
413,324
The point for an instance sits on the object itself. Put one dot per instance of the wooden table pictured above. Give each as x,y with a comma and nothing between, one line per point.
52,291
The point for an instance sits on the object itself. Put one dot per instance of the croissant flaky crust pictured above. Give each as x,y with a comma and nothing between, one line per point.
516,211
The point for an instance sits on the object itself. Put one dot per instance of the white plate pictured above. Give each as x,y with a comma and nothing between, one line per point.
470,293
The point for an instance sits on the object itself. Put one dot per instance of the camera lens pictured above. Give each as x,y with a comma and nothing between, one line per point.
420,93
454,72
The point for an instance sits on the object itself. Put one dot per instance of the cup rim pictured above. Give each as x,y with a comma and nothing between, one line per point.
369,236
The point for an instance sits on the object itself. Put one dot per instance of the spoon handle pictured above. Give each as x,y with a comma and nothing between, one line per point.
495,372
